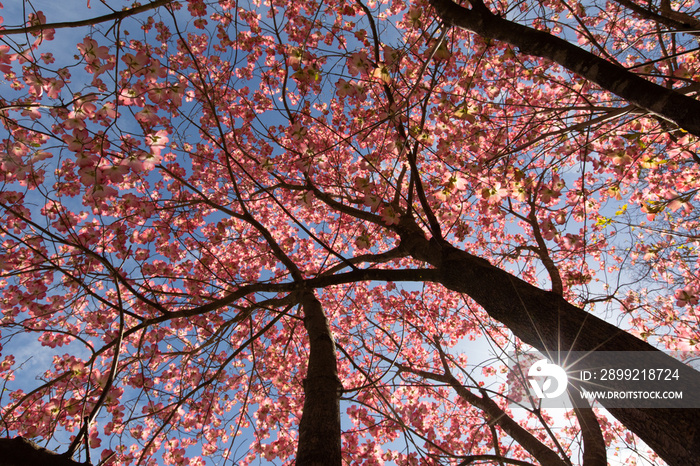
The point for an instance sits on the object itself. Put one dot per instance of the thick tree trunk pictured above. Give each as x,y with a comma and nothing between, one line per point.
22,452
666,103
319,429
549,323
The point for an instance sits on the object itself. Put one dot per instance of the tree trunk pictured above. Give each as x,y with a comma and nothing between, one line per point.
547,322
319,429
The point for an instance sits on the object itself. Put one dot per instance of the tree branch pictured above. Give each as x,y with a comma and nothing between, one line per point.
541,452
666,103
547,322
673,19
117,15
594,451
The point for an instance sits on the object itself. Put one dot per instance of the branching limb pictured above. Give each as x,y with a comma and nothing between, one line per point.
666,103
116,16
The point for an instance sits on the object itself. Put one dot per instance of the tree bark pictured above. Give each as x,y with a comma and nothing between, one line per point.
672,19
549,323
22,452
680,109
319,429
594,451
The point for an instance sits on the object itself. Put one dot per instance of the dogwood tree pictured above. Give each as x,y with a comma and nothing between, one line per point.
254,231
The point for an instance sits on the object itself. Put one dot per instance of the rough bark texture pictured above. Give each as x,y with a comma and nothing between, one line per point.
22,452
549,323
594,450
319,429
666,103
